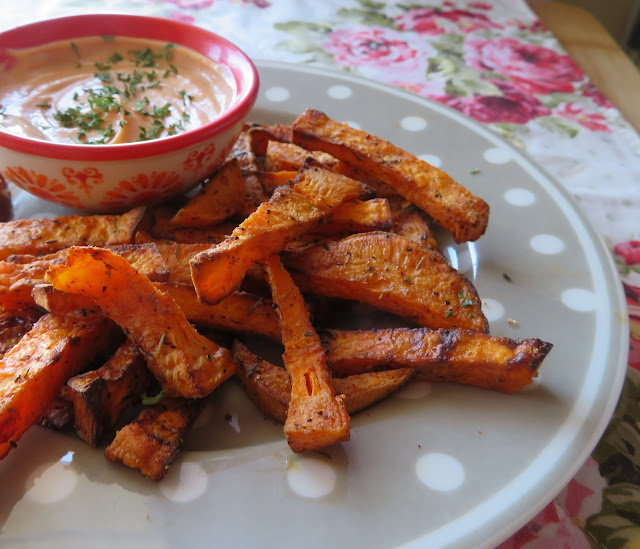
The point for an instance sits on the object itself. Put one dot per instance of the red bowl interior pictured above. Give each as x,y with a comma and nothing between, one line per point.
207,43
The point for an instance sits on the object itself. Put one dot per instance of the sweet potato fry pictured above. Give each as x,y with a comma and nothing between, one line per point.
460,356
316,417
14,325
152,441
34,370
412,223
270,181
289,212
59,414
238,312
17,280
162,229
289,157
357,217
391,273
100,396
176,256
219,198
43,236
461,213
259,137
254,193
282,156
56,301
352,217
184,362
143,256
270,389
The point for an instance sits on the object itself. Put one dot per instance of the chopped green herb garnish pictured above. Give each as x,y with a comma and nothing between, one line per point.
108,37
115,58
474,171
94,107
43,105
151,400
103,76
171,70
466,303
161,112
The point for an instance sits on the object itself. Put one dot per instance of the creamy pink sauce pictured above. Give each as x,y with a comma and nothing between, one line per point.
110,90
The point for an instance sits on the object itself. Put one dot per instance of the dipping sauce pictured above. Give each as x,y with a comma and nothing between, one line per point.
110,90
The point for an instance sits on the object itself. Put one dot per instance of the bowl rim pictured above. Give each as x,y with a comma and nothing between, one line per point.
187,35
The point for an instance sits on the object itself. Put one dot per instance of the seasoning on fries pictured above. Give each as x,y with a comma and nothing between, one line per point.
99,312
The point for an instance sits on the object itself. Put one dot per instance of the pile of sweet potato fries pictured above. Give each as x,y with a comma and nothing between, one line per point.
100,311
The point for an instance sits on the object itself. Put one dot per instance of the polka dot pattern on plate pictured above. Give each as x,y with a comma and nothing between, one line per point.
277,94
579,299
339,92
432,159
497,155
492,309
520,197
186,482
52,482
440,472
413,123
311,476
547,244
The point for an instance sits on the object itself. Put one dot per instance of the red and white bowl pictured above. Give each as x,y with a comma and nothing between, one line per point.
118,177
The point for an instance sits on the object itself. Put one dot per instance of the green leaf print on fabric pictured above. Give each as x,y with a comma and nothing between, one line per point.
365,17
618,452
617,525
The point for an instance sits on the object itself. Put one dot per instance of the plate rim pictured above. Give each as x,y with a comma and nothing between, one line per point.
614,293
615,298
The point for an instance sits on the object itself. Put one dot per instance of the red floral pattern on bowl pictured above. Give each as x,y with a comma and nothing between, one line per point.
42,186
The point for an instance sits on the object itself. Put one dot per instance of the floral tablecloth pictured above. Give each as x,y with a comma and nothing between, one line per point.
496,63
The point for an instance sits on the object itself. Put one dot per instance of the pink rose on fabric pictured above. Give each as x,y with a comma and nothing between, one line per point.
437,21
419,20
582,496
633,305
262,4
534,69
536,27
182,17
552,527
512,106
480,6
376,48
589,120
432,89
187,4
634,351
629,251
596,96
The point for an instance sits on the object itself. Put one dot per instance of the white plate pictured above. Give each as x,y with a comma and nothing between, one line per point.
433,466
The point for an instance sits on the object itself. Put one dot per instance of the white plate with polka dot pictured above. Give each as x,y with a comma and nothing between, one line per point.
432,466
